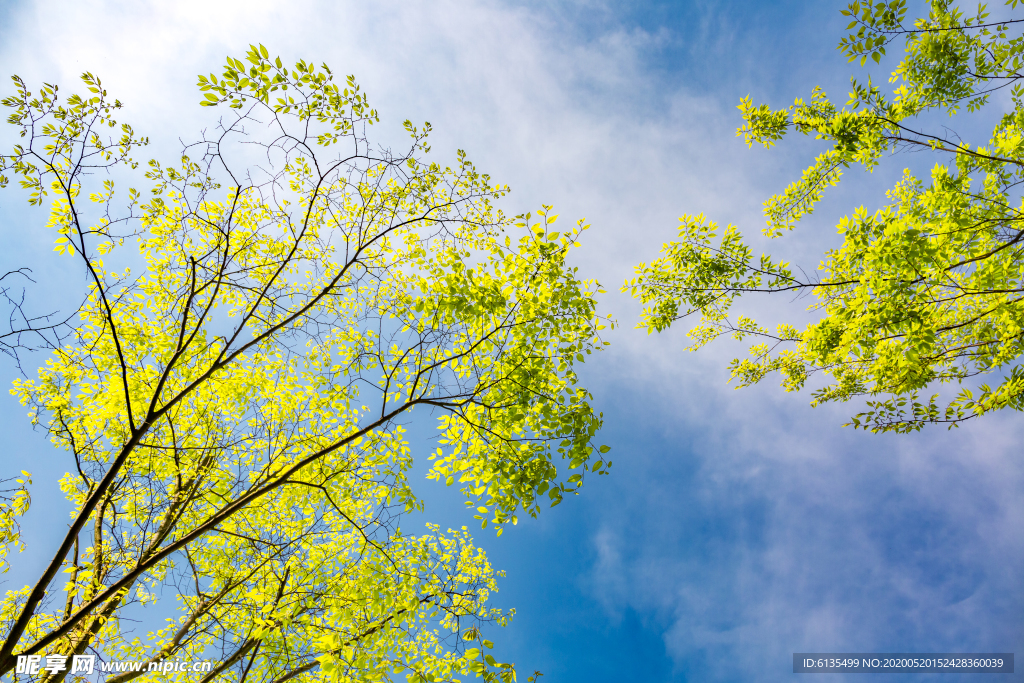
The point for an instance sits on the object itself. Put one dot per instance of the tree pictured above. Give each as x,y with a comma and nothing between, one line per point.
925,291
236,393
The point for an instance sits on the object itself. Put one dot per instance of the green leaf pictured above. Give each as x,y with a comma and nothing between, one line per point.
912,298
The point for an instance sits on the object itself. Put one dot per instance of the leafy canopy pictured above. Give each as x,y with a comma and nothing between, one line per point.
925,291
235,397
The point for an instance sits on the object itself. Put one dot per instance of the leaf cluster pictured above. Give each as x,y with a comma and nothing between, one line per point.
235,401
925,291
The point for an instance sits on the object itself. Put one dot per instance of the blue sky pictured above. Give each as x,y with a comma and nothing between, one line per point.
737,527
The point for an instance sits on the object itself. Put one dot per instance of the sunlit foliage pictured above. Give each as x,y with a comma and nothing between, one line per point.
928,289
262,323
